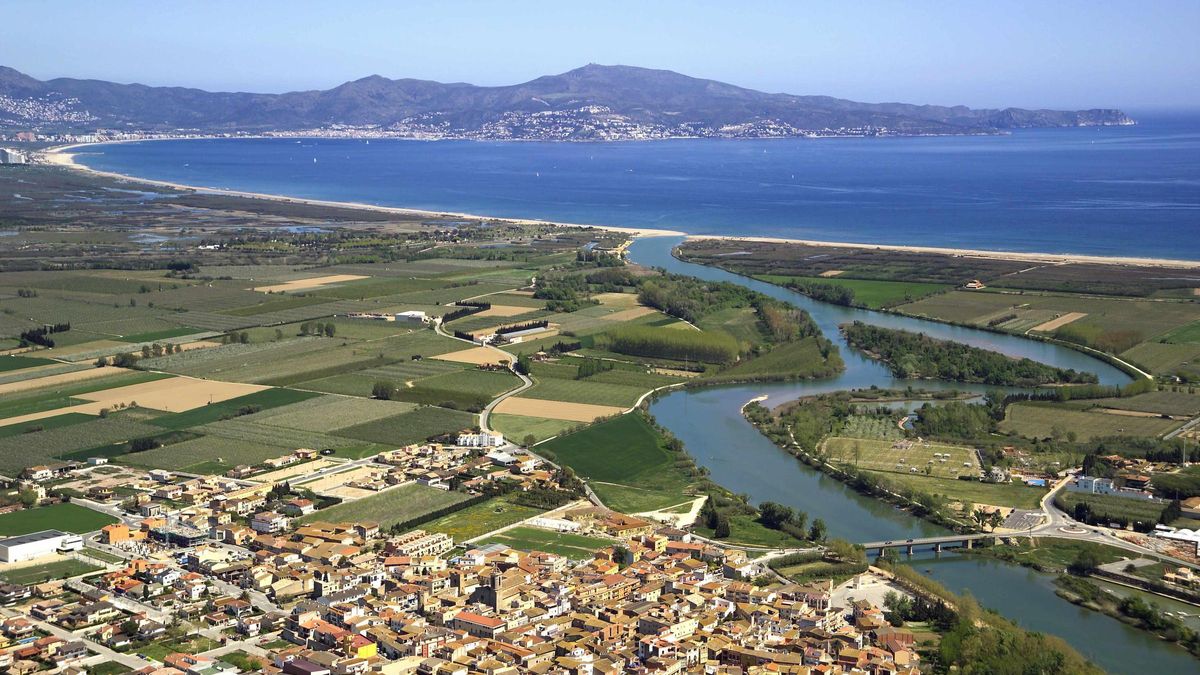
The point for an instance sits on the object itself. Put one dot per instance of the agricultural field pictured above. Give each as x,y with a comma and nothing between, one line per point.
328,414
1167,358
479,519
65,517
1164,402
874,294
261,400
625,462
1033,420
410,427
799,359
1189,334
517,427
57,442
396,505
10,363
1015,495
903,456
205,455
559,410
1142,510
566,544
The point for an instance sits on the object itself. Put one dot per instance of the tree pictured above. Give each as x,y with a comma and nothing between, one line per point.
330,329
102,362
383,391
244,337
278,335
529,440
818,530
1086,562
28,497
721,531
145,351
305,328
774,515
995,520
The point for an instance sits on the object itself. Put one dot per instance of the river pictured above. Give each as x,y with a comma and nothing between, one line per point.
710,424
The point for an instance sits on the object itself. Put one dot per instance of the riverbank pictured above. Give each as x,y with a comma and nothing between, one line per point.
63,156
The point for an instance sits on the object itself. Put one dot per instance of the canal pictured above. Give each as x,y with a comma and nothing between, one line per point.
710,424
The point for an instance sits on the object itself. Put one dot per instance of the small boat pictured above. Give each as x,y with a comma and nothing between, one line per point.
314,160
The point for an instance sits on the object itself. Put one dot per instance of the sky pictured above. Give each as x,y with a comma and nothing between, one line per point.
1061,53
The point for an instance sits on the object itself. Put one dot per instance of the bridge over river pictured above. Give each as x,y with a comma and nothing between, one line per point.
936,543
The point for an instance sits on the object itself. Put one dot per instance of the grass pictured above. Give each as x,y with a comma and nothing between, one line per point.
53,444
36,574
1051,555
1161,358
1163,402
626,462
1049,421
102,555
205,455
108,668
584,391
566,544
268,398
160,649
389,507
882,455
65,517
410,427
873,294
798,359
745,529
479,519
1016,495
1189,333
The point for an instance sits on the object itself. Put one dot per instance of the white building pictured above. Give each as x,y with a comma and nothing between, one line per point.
37,544
485,439
8,156
411,316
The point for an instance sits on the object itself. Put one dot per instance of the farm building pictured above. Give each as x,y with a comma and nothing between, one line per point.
37,544
411,316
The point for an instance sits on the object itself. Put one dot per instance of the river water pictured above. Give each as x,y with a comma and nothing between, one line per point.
710,424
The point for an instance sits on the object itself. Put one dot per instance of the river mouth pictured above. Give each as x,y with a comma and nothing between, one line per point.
709,423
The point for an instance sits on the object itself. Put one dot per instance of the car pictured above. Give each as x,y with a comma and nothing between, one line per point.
327,451
886,543
909,541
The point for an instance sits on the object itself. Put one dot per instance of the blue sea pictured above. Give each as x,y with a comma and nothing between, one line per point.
1131,191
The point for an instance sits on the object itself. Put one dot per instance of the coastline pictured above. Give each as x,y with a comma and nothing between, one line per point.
63,157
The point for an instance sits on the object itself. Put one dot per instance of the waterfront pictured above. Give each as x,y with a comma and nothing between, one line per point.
713,430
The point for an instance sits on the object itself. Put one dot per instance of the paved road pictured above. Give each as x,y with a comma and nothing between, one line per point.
127,660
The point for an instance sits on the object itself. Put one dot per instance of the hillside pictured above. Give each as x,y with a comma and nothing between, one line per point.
590,103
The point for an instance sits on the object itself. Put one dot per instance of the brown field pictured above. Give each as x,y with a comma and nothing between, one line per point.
675,373
831,273
555,410
290,471
335,484
83,347
475,355
1059,322
308,284
60,379
525,293
505,310
630,314
616,299
175,394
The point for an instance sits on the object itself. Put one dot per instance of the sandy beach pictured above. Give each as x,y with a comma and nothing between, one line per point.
62,156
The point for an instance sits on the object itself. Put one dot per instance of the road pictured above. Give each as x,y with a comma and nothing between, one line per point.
127,660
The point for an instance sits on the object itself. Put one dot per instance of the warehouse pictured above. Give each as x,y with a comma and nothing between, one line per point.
37,544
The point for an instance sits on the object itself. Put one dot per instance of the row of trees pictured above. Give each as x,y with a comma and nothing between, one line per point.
318,328
914,355
678,345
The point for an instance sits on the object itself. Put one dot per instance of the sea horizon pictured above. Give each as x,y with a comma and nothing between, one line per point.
1097,191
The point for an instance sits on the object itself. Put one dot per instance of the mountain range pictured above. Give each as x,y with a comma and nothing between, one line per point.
594,102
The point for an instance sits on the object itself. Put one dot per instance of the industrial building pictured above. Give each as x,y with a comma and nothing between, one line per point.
37,544
8,156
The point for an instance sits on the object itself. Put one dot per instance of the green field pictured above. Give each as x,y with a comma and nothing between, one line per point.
158,335
799,359
584,391
396,505
63,420
745,529
1016,495
205,455
625,462
899,457
194,644
1133,509
410,427
1164,402
1166,358
65,517
517,427
42,447
479,519
12,362
1189,334
568,545
1050,421
872,293
36,574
